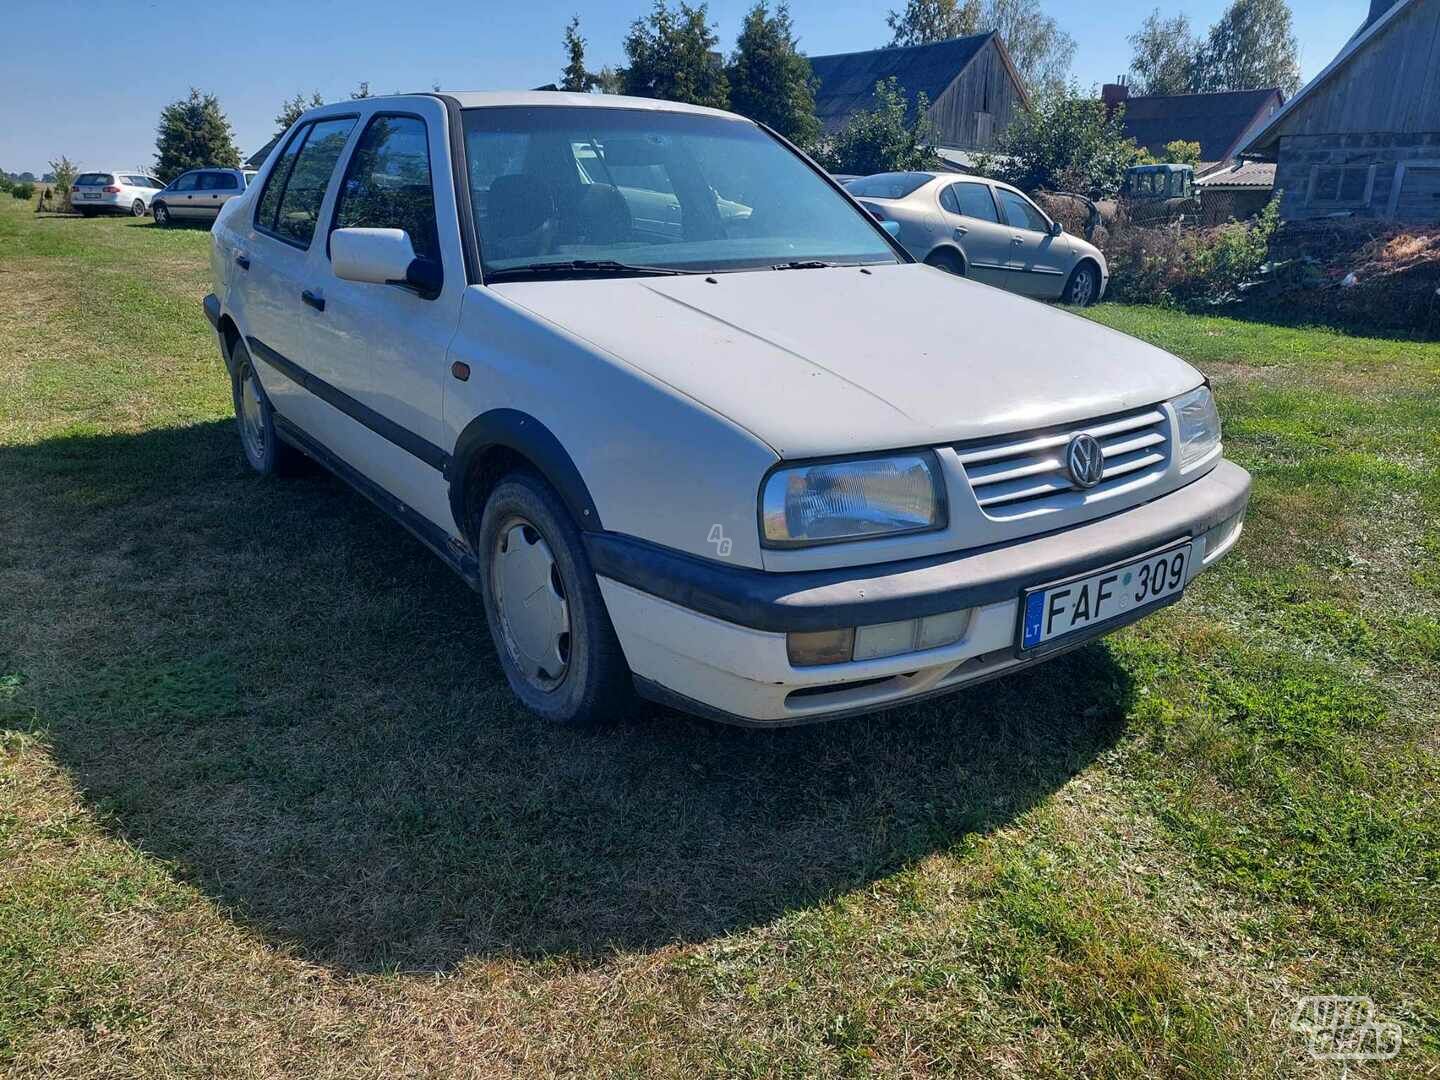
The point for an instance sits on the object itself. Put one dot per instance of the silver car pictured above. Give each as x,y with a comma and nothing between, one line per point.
197,195
985,230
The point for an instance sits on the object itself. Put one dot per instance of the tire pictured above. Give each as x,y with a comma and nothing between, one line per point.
161,213
947,260
137,208
87,213
264,452
1083,288
559,652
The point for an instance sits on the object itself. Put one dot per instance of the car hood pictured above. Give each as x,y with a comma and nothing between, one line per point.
830,361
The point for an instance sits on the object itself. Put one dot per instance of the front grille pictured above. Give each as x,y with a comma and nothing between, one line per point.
1021,474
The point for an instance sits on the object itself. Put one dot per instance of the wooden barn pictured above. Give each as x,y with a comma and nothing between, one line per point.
1362,138
971,83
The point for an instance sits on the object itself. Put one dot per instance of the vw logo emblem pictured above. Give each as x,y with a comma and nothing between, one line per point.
1085,461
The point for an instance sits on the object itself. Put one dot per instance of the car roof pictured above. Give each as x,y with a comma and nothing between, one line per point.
489,99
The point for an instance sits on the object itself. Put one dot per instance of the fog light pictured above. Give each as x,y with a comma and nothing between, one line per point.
885,639
946,629
1219,539
820,647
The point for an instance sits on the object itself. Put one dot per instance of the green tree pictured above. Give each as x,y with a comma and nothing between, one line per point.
1251,47
1182,152
291,110
64,171
1164,55
769,80
193,133
576,78
1042,52
888,137
924,21
672,56
1065,142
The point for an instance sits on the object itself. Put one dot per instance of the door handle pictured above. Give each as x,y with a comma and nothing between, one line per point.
317,302
960,231
242,261
1017,240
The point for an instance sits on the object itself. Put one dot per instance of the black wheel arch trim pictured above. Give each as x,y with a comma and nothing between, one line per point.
211,304
531,439
906,589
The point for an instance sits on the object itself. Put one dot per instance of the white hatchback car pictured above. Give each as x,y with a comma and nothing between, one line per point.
689,420
113,193
986,230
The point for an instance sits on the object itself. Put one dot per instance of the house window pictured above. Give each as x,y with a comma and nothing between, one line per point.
1341,185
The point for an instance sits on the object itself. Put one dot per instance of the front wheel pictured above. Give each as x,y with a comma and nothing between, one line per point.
162,214
137,208
1083,288
543,605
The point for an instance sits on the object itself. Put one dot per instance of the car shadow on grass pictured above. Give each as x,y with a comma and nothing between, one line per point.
271,687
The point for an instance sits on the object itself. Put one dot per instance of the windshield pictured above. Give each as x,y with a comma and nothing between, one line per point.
650,189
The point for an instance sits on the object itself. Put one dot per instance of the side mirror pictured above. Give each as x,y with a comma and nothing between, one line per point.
891,227
383,257
1056,228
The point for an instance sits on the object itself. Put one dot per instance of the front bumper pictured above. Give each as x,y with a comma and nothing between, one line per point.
710,638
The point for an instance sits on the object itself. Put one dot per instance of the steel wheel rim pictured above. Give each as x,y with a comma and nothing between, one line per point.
252,417
530,604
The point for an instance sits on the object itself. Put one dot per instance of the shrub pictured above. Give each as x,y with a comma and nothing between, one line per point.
23,190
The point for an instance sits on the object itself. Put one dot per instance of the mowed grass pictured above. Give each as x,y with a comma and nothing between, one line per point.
267,808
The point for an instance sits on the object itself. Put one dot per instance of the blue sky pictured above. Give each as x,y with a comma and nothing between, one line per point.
89,79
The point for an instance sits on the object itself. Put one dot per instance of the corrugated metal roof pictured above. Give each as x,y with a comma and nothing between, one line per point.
1216,121
1245,174
847,80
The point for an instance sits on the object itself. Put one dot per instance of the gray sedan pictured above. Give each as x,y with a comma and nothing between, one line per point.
985,230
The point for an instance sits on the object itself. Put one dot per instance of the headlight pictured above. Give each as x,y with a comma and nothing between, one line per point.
1199,425
851,500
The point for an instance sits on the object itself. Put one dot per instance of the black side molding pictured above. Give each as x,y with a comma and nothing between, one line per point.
383,426
907,589
211,304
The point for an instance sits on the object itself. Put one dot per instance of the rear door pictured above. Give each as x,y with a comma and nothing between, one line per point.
973,224
384,347
273,269
1039,262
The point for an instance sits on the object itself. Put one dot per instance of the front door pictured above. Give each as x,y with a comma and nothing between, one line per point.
973,224
385,346
180,196
1039,261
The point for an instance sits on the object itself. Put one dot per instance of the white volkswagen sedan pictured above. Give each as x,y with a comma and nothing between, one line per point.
985,230
689,420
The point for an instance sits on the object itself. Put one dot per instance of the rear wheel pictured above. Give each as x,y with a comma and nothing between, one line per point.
162,214
1083,289
946,260
86,212
264,452
137,208
543,605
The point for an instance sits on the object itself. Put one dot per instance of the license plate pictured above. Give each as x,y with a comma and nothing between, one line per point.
90,194
1084,603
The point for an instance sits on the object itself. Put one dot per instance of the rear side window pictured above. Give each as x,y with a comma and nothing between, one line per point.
971,200
218,181
387,184
94,179
290,203
887,185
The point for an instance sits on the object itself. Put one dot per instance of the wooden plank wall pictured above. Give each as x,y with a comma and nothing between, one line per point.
986,87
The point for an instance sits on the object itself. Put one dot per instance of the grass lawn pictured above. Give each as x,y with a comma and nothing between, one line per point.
267,808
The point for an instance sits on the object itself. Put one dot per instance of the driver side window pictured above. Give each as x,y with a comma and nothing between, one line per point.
387,184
